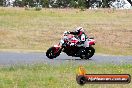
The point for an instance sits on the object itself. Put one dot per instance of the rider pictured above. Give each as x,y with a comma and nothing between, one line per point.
79,32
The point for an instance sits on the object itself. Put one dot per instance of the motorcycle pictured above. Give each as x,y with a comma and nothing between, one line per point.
69,45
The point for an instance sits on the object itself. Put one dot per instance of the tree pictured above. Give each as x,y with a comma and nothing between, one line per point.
1,2
105,3
18,3
45,3
81,3
73,3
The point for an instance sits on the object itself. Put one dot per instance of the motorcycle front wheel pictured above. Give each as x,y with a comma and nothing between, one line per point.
51,53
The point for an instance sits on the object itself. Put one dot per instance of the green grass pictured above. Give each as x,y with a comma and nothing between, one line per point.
39,30
57,76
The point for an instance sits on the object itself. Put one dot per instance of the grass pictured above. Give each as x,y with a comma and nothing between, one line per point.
57,76
39,30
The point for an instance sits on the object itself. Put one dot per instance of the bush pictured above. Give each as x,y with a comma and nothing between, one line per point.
73,4
105,3
82,8
81,3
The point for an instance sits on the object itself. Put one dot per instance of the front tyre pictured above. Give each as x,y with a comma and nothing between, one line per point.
51,53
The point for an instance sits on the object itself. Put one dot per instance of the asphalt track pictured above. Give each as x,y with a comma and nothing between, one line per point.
13,58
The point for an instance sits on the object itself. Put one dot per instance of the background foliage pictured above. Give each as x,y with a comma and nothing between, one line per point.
56,3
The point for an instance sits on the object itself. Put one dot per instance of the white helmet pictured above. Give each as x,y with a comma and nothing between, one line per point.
78,29
65,33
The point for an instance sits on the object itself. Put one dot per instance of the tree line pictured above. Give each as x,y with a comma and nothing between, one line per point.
59,3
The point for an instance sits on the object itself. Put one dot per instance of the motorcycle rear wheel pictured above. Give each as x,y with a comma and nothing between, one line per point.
90,52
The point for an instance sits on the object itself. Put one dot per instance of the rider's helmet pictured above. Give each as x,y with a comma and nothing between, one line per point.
65,33
79,29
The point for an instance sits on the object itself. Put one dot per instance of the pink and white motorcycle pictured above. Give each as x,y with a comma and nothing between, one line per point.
69,45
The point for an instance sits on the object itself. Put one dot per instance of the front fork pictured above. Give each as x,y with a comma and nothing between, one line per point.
57,49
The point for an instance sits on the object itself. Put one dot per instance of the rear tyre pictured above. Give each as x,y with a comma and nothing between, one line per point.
89,53
50,53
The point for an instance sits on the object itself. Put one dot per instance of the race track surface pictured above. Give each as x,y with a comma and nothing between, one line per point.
13,58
